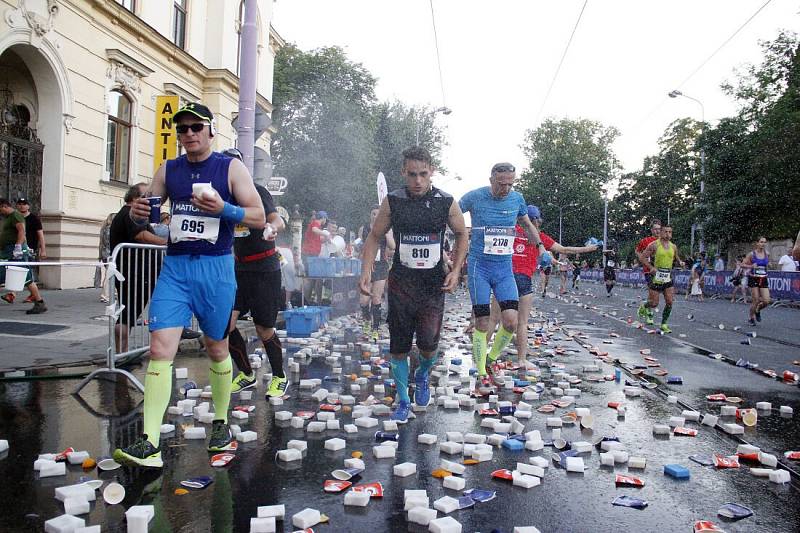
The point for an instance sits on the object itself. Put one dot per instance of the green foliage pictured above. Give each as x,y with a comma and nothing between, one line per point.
333,137
570,161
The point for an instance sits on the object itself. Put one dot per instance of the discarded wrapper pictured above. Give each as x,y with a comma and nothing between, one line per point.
734,511
465,502
704,526
222,459
502,473
306,415
375,490
794,456
630,481
720,461
716,397
334,485
629,501
61,457
245,408
481,495
199,482
686,432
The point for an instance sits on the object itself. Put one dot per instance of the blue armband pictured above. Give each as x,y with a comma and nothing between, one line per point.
232,212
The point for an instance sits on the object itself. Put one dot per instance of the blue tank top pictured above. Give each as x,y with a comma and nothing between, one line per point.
180,175
760,264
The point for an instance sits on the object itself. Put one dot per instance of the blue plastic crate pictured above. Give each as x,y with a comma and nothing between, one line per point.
323,312
321,267
355,267
300,322
342,266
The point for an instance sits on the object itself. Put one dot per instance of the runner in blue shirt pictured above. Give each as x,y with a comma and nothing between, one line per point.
495,210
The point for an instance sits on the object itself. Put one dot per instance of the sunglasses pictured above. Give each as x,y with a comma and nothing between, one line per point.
504,168
197,127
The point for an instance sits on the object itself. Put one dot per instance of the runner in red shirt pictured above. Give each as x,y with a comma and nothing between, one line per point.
655,231
524,261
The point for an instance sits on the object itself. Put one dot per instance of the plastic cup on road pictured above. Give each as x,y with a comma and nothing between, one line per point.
114,493
749,417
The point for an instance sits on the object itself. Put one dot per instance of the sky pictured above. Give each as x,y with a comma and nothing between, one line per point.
499,57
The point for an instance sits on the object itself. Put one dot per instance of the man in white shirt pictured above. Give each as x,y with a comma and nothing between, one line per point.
787,264
719,264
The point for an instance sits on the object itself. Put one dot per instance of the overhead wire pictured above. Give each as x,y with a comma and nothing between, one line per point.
707,59
438,59
561,62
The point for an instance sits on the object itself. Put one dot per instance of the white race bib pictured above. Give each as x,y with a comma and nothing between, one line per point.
663,276
610,264
420,251
498,241
191,224
759,271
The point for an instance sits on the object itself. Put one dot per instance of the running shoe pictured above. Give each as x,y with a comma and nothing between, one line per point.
366,329
9,297
243,381
401,412
758,316
28,300
277,387
37,309
642,312
665,329
752,322
140,453
422,392
221,437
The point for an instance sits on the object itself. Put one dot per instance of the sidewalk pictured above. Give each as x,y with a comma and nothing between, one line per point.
73,331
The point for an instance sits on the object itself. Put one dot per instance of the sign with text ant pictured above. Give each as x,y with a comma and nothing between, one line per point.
166,145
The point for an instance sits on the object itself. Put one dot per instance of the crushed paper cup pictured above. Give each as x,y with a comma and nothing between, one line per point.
481,495
343,474
734,511
720,461
94,483
114,493
375,490
630,481
199,482
108,464
335,485
629,501
222,459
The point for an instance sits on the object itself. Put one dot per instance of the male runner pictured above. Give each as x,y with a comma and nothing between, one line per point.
495,210
665,255
197,276
655,233
418,216
258,291
609,270
523,263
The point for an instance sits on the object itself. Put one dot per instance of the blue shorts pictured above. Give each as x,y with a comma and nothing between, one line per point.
485,277
524,284
201,284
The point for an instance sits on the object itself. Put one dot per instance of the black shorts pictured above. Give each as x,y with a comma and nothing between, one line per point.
260,294
736,281
758,282
609,274
648,278
547,271
380,271
660,287
414,308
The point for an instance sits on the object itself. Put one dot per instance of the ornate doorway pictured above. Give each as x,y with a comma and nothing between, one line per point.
20,154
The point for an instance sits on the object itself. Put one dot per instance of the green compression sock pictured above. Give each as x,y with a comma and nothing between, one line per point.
665,313
157,393
426,363
479,351
219,375
501,340
400,375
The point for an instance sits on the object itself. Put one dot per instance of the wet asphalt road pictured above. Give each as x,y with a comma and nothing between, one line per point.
39,417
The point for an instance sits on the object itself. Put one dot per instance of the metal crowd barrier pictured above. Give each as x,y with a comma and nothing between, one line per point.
132,273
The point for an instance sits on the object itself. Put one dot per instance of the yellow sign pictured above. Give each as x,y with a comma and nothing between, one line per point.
166,141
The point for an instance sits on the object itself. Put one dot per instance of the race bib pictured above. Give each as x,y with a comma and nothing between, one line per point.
759,271
663,276
498,241
241,231
191,224
420,251
610,264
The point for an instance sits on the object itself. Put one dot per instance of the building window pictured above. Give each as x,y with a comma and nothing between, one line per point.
179,24
130,5
118,137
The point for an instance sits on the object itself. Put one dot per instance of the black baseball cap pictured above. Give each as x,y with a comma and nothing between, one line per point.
195,109
23,201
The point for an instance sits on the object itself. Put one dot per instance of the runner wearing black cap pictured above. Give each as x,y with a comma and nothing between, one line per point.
258,290
210,193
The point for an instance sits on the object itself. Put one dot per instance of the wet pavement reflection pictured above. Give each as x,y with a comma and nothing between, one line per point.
43,416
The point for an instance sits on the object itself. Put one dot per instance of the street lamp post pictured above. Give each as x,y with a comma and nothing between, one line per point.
674,94
443,110
561,209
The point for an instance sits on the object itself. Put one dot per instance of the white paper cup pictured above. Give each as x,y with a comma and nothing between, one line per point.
114,493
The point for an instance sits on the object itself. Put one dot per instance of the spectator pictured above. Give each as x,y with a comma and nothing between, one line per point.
162,229
134,293
787,263
334,244
103,255
719,264
34,233
738,280
796,249
13,247
312,247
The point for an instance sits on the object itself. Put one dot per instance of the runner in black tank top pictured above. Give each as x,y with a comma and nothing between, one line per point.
418,216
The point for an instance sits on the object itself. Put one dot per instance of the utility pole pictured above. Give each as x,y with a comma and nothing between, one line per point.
248,71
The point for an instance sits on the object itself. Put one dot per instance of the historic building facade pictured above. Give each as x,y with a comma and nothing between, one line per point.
78,87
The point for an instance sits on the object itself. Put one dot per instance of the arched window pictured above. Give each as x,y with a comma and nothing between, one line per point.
118,137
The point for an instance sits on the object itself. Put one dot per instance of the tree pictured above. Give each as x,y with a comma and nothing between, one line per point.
570,161
324,143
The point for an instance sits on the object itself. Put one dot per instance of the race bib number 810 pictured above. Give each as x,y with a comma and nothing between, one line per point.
420,251
498,241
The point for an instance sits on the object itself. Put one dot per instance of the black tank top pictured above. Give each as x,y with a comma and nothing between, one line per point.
381,244
414,217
